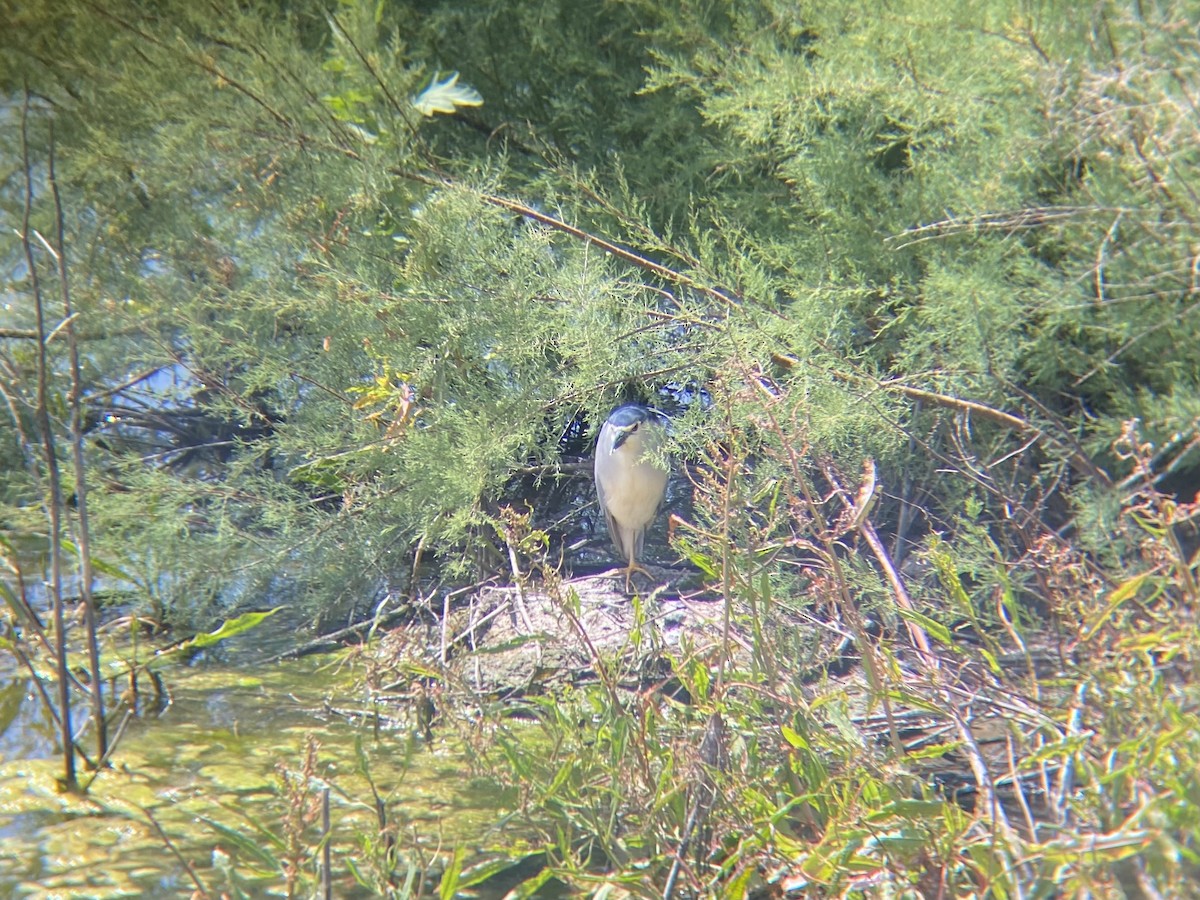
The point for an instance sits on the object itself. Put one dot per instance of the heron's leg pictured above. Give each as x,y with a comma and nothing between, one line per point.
630,569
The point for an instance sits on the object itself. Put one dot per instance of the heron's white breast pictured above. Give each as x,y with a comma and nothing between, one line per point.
635,490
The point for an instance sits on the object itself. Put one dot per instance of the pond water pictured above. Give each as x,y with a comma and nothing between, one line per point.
225,772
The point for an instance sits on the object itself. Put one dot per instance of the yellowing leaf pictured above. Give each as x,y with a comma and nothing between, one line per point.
446,96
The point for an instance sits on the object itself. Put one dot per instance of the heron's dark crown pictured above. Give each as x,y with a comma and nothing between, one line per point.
634,414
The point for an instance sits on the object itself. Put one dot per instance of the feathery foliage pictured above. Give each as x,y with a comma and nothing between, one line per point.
347,273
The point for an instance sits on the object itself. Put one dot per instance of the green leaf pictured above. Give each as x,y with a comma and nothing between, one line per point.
104,568
1059,750
357,873
990,659
485,871
739,885
560,778
936,630
243,843
934,751
910,809
446,96
516,643
704,563
1123,592
228,629
794,738
448,886
532,886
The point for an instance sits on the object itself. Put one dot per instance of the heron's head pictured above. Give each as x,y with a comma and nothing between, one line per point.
636,422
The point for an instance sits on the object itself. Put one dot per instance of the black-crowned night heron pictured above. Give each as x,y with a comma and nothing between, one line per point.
628,482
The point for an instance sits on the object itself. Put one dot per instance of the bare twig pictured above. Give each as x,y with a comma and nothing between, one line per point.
864,527
170,845
1015,776
54,502
326,852
989,802
614,250
112,745
1078,460
199,60
83,540
872,665
1005,220
402,110
24,334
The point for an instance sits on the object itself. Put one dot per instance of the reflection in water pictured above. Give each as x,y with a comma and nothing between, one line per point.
26,730
225,772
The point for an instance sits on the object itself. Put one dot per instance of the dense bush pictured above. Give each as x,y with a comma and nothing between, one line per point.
334,306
